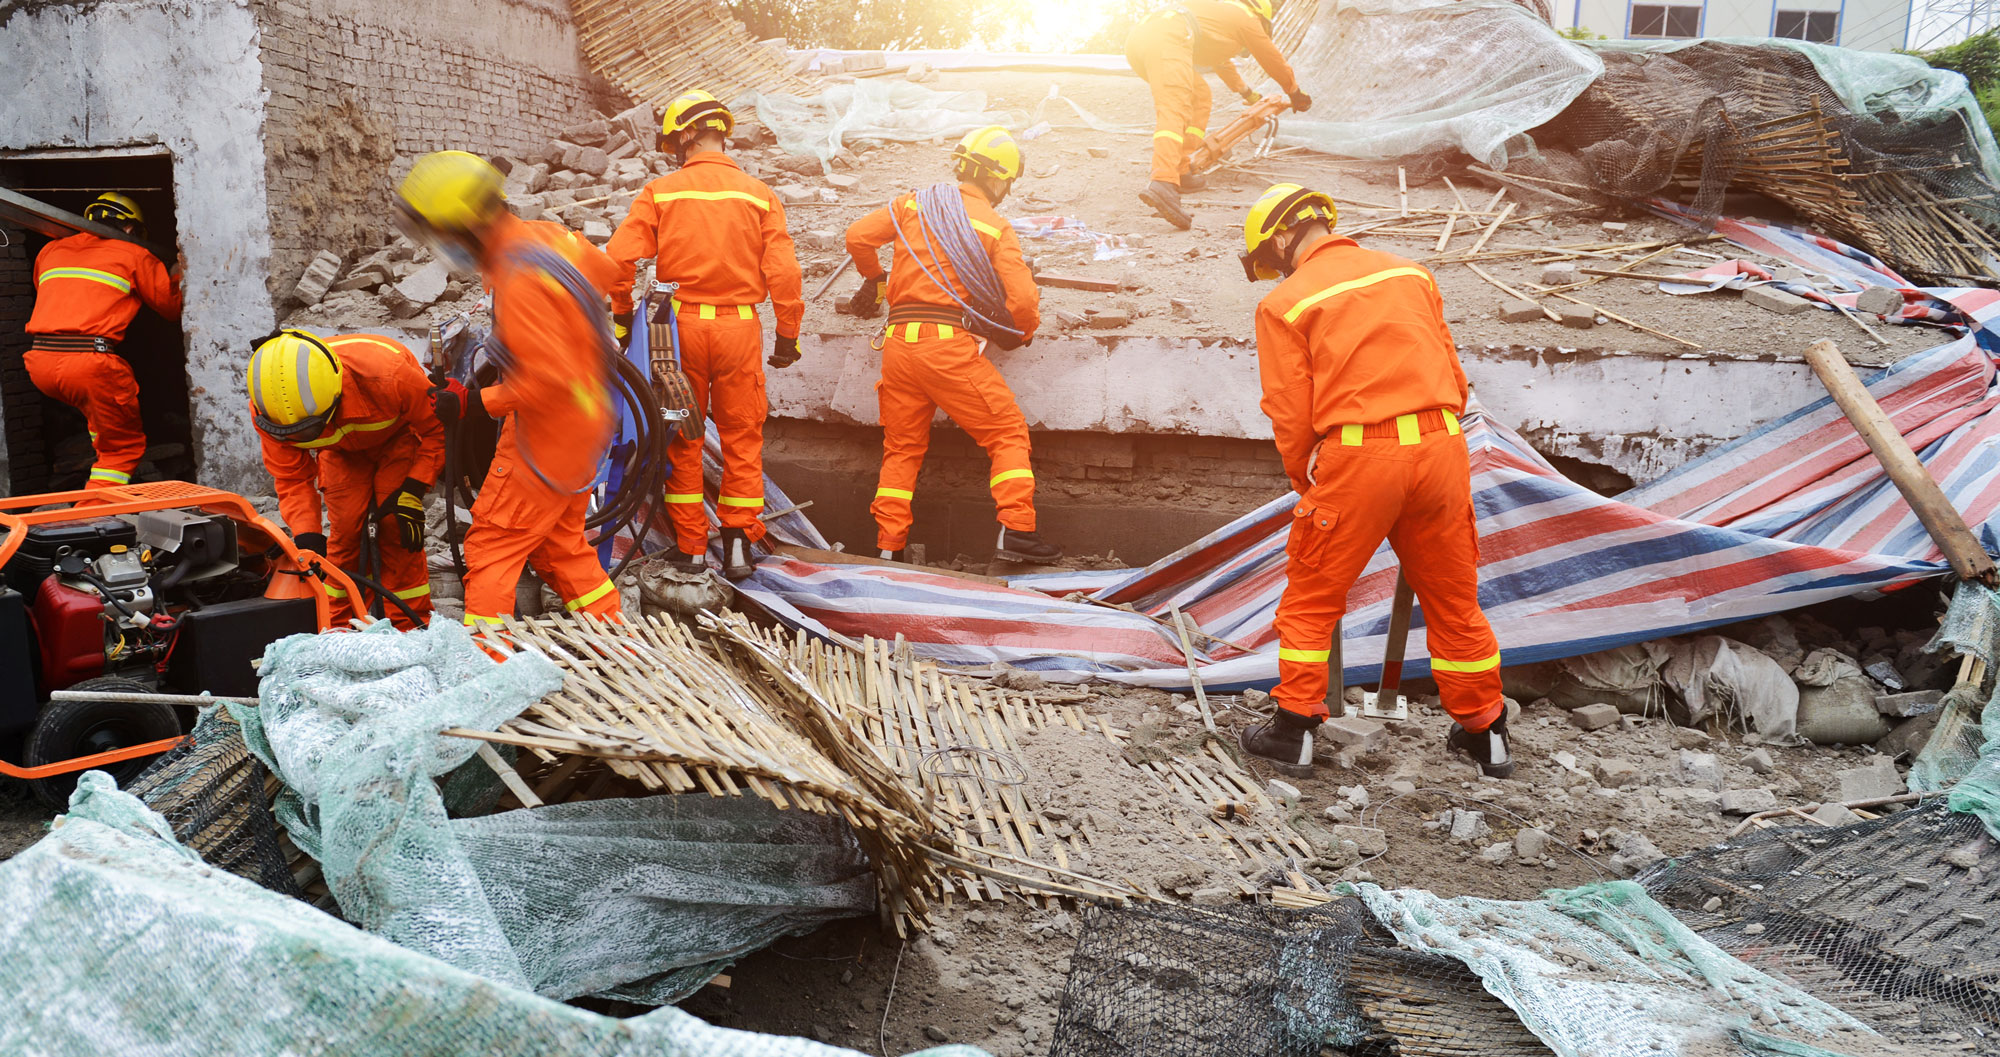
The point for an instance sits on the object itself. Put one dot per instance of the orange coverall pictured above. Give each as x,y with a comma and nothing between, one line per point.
91,286
1358,365
1162,50
720,234
557,405
928,364
384,432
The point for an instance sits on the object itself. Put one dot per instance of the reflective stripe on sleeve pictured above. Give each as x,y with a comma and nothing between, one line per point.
712,196
1352,284
895,493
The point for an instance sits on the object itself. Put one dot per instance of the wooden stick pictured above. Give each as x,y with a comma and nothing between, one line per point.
1402,192
509,777
1480,244
1942,520
1194,675
845,264
1513,293
1880,801
1634,324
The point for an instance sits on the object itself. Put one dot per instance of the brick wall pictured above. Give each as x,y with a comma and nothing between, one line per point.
26,459
358,88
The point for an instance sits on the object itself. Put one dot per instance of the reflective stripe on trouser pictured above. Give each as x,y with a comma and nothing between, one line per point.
1418,497
723,361
920,377
352,484
99,384
519,521
1160,52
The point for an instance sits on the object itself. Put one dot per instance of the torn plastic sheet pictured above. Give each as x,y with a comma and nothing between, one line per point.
1104,246
881,111
115,939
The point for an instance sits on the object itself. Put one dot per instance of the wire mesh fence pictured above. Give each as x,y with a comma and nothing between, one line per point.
214,794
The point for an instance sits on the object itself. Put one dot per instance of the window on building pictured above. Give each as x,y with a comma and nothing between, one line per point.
1665,20
1820,27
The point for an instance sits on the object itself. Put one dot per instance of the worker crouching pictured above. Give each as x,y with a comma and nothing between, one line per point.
552,335
719,235
1364,390
956,276
353,444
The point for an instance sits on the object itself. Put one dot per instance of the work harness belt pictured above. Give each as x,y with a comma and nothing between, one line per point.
941,207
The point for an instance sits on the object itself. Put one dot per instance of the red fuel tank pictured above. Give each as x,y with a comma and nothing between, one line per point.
69,629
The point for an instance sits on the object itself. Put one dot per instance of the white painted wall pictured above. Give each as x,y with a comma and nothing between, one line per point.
1869,25
1640,413
183,75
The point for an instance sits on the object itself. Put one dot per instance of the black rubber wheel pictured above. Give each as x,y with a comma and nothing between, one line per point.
69,729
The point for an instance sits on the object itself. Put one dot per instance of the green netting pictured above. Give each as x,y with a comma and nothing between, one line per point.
114,939
1963,754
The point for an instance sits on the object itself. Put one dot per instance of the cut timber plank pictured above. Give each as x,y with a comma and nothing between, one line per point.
1077,282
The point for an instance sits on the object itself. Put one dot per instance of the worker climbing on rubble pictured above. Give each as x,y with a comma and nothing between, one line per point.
349,418
552,338
719,235
88,288
1169,49
1364,389
957,276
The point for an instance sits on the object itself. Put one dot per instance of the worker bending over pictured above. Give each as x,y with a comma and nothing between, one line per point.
87,290
349,418
1170,48
1364,389
719,234
957,276
552,334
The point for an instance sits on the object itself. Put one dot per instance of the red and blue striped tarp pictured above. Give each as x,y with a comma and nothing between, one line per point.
1797,512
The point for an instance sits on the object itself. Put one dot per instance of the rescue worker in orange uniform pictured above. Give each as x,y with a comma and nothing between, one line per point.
551,318
350,418
1170,48
720,234
87,290
931,357
1364,389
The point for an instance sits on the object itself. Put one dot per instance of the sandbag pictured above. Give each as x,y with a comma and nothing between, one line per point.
1837,701
1717,676
1627,678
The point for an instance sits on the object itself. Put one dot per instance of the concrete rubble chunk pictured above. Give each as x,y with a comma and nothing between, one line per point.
621,152
589,133
1356,795
1835,815
639,123
1880,300
572,158
425,285
1616,774
1576,317
1531,843
1561,274
1111,320
1634,852
597,231
1283,792
843,181
1517,311
793,194
1353,732
1759,761
1876,778
592,160
1748,801
317,278
1698,769
1914,703
1594,717
1468,825
1367,839
555,152
364,276
1772,299
1497,853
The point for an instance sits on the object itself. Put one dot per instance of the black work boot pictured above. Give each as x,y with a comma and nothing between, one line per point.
737,564
1284,740
888,555
1018,546
684,562
1193,181
1165,199
1488,748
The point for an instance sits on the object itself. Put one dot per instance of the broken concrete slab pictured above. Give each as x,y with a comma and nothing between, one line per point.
1615,774
1111,320
1772,299
1700,770
1468,825
592,160
1576,317
364,276
1353,732
1877,778
793,194
1593,717
1759,761
1518,311
1748,801
425,285
1835,815
1880,300
1367,840
1531,843
1914,703
843,181
1561,274
317,278
589,133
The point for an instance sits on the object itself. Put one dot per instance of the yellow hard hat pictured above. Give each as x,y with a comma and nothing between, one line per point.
294,385
988,151
1275,210
452,191
696,109
113,208
1261,8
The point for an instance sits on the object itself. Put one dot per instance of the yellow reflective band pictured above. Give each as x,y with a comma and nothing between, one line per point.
593,595
984,228
712,196
1350,435
1352,284
335,592
472,621
99,473
708,311
116,282
1010,475
895,493
93,436
1286,653
1168,134
730,500
1451,422
945,331
910,331
683,497
1484,664
745,312
1406,429
353,427
1196,132
414,592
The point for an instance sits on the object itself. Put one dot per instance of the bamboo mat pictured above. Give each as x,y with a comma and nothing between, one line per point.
923,766
656,49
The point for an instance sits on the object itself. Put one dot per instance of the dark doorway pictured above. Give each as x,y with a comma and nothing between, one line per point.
48,448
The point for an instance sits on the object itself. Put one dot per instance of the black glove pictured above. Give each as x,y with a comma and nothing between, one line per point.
453,402
867,301
621,326
403,511
311,541
784,352
1301,102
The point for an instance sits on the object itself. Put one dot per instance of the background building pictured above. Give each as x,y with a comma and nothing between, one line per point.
1870,25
